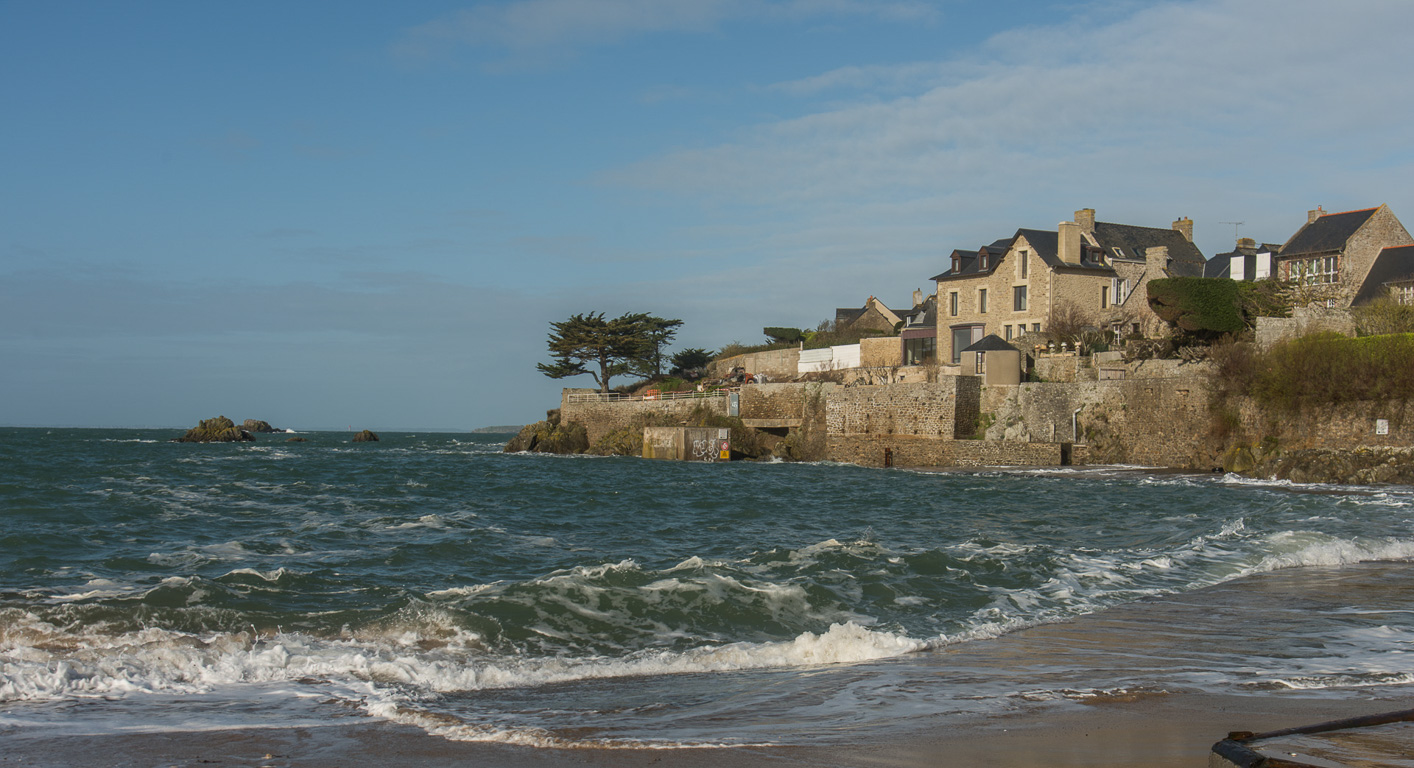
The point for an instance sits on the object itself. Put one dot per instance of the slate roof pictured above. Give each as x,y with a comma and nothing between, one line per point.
1396,263
924,315
1221,265
1328,233
990,343
968,261
1185,258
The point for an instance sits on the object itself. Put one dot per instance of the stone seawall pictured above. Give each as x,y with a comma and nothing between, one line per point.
912,451
602,417
945,409
1151,422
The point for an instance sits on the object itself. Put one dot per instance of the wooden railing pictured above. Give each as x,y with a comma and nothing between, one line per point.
651,394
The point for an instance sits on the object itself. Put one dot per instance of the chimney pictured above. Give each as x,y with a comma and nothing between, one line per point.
1068,239
1184,226
1085,217
1313,215
1246,245
917,297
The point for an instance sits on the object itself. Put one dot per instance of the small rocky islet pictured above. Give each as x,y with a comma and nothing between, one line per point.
223,430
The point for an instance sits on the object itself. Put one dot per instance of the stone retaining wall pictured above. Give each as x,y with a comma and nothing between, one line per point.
602,417
947,408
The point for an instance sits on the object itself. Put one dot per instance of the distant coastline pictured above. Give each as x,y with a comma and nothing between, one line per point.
496,431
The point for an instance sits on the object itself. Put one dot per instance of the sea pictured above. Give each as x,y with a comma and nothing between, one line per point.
432,580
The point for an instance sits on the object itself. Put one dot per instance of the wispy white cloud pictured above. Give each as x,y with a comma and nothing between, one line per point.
526,27
1199,108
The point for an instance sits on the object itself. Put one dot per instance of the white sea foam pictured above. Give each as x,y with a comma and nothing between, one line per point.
1298,548
45,662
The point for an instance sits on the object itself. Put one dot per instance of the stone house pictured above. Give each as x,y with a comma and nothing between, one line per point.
1331,257
873,316
1093,271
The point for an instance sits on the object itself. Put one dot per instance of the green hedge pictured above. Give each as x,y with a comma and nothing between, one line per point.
1198,305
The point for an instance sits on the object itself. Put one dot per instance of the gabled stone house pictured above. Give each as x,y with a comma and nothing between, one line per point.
1332,255
1093,269
873,316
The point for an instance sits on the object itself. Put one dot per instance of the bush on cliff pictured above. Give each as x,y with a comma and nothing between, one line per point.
217,430
1329,369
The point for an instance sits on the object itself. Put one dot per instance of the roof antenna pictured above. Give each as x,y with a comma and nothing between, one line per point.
1235,225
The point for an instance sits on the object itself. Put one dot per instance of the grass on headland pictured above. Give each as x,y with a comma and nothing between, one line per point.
1319,370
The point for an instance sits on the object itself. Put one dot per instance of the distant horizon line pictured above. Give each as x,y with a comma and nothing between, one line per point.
495,429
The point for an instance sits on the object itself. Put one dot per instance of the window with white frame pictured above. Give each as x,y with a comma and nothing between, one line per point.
1119,289
1321,269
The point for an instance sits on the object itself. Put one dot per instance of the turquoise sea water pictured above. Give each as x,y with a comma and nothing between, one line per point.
564,601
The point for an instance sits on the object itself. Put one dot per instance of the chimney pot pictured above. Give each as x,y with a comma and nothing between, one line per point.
1313,215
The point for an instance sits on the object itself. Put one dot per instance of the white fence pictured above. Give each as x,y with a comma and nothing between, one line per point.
652,394
829,359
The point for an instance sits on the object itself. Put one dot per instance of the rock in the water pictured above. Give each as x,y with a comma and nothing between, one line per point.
256,426
296,440
217,430
366,436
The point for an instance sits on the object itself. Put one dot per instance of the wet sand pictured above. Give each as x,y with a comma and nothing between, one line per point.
1155,731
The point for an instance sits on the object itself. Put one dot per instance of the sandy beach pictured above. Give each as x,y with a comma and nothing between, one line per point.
1160,731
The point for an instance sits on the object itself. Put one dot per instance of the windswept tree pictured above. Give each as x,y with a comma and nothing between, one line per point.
587,343
690,359
657,332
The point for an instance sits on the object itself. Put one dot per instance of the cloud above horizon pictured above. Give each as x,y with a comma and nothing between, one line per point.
533,28
1187,91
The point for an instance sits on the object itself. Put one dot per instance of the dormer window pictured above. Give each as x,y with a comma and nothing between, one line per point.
956,265
1119,253
982,260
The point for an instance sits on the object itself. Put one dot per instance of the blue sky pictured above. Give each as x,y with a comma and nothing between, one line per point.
327,214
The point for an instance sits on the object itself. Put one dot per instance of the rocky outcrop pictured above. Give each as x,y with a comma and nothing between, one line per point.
296,440
550,436
217,430
366,436
256,426
1353,466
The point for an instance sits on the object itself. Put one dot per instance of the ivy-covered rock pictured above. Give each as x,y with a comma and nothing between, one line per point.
217,430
